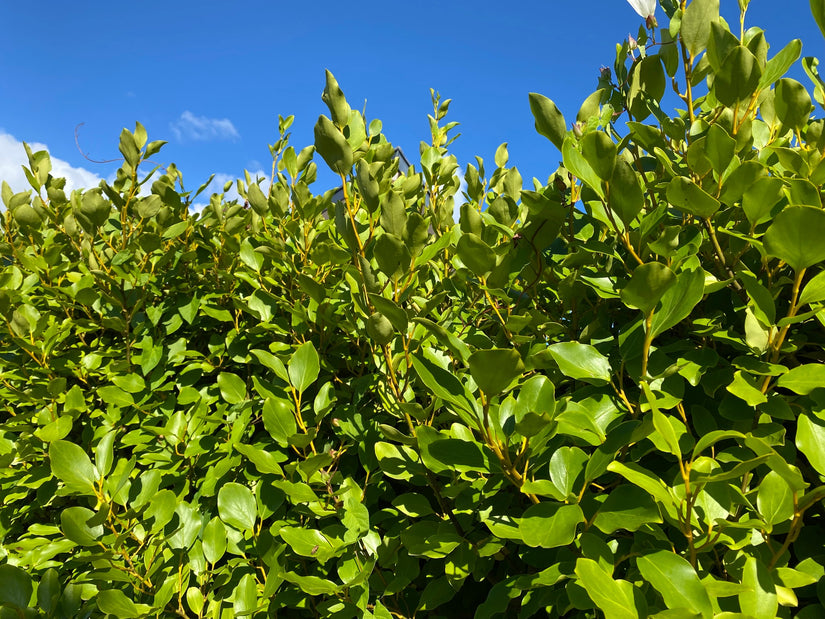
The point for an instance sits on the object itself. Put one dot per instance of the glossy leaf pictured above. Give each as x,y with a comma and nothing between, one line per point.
71,465
304,367
810,439
549,526
627,508
232,386
676,581
803,378
774,499
115,602
332,146
236,506
611,598
759,600
581,362
74,521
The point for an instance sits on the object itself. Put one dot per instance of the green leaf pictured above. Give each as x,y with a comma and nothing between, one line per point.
575,162
74,521
759,599
779,64
71,465
379,328
818,11
131,383
678,301
312,585
549,120
743,387
814,290
774,499
15,587
456,454
279,420
402,462
792,103
443,384
332,146
810,439
695,28
647,285
759,199
333,96
719,148
566,466
600,152
494,370
642,478
390,253
803,378
687,196
232,387
476,254
581,362
626,507
114,602
625,197
613,599
245,596
795,236
236,506
548,525
304,367
264,461
737,78
394,214
711,438
115,395
676,580
213,540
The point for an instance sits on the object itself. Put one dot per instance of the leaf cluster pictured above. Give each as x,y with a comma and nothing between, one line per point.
599,396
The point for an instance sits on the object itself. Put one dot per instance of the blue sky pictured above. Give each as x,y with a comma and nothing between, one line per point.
212,77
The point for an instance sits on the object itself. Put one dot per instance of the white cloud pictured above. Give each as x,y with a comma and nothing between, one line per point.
13,157
201,128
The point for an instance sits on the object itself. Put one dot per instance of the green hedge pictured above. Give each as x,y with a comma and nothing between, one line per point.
602,396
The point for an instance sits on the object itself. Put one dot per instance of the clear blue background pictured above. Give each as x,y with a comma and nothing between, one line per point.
108,64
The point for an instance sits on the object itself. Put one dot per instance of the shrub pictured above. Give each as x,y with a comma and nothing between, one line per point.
602,395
